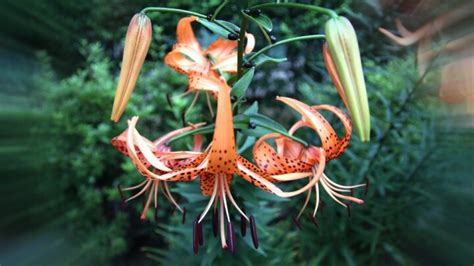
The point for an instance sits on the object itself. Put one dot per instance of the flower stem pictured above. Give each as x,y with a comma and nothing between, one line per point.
311,8
289,40
218,10
173,10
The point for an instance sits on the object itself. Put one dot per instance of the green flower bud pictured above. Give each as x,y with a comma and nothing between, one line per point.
344,52
137,42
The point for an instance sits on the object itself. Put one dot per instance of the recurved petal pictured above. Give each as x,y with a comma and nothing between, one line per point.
184,58
330,142
221,48
269,161
227,64
185,33
199,81
120,143
250,43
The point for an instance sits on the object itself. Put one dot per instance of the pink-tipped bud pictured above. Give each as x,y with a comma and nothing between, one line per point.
137,42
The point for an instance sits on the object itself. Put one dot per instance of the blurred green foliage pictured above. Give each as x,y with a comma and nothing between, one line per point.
81,169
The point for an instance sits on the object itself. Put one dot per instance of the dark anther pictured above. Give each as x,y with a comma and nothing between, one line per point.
255,12
156,214
209,16
367,183
247,11
231,238
195,237
248,64
243,224
168,99
183,220
119,188
232,36
215,222
352,192
233,99
321,206
183,118
349,210
200,236
296,221
273,38
252,125
313,219
253,230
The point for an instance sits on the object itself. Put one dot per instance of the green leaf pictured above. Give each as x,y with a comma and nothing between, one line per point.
213,27
264,124
241,86
263,59
249,141
229,25
261,20
253,109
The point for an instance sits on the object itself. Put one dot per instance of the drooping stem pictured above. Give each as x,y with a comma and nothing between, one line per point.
311,8
218,10
289,40
173,10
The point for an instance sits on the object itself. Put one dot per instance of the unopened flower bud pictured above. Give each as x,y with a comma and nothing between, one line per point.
344,56
137,42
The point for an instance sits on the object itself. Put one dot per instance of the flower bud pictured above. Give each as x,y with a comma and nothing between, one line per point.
137,42
344,56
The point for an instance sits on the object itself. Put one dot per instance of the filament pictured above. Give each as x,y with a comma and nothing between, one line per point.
209,204
223,197
135,187
304,205
317,200
167,191
139,193
231,198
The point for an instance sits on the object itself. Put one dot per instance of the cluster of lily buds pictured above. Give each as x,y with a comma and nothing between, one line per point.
343,61
218,163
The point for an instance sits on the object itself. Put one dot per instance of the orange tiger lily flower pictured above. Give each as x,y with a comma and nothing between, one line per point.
189,56
310,157
217,164
168,161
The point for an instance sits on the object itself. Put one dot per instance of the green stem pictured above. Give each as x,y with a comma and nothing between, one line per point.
173,10
289,40
311,8
265,34
218,10
184,12
241,47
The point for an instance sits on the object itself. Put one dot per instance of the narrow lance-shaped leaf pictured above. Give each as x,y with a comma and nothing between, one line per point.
214,27
241,86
